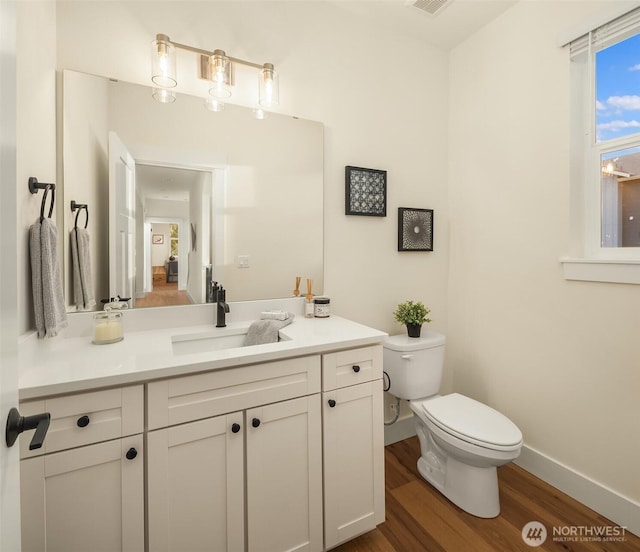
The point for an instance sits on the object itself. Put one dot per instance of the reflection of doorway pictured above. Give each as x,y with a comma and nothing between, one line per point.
163,263
179,195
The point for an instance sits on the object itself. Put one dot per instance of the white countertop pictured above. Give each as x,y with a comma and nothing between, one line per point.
72,364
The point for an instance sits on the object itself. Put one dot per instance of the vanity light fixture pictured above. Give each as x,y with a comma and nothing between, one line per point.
163,62
215,67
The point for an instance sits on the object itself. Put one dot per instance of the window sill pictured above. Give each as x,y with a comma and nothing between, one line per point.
602,270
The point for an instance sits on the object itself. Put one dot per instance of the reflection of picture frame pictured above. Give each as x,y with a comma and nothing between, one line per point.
157,239
365,192
415,229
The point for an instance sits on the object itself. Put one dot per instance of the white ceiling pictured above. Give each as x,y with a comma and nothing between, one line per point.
451,25
167,183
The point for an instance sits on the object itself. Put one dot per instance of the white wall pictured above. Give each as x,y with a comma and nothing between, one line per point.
331,66
160,252
35,133
560,358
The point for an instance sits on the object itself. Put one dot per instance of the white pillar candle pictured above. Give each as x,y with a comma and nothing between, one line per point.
107,329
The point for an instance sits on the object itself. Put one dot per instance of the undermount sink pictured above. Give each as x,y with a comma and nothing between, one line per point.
212,340
215,339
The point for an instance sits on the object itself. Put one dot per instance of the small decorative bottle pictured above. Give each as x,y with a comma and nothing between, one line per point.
308,306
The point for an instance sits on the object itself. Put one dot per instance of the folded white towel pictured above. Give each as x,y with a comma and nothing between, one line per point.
266,331
83,294
274,315
46,283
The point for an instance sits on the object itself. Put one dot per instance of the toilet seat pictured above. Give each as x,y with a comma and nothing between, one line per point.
472,421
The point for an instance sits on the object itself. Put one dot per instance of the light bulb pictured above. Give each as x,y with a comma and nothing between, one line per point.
268,86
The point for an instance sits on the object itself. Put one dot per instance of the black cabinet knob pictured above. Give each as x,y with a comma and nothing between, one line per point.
332,403
83,421
356,368
235,428
131,453
255,422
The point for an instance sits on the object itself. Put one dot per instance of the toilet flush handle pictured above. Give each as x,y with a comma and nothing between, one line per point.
406,357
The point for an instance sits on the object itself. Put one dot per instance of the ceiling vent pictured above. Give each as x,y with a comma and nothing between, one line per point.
432,7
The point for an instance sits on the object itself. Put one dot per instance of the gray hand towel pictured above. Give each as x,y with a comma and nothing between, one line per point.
46,283
83,295
266,331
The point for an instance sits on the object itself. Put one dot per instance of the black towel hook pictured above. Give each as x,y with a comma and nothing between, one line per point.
34,186
79,207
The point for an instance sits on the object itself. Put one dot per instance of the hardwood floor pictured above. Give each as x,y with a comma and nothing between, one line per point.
419,518
164,294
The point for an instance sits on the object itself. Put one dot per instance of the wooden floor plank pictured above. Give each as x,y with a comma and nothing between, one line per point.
450,531
419,518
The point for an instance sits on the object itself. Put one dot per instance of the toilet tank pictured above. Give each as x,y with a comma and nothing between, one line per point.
414,364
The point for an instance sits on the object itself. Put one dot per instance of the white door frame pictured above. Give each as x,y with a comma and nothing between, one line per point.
9,457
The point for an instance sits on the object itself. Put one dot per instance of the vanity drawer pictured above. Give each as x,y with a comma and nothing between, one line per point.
351,367
184,399
86,418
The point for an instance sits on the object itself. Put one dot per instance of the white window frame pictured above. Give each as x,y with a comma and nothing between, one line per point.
590,261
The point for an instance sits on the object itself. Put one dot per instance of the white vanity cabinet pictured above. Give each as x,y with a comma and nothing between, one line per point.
233,447
84,489
353,443
245,450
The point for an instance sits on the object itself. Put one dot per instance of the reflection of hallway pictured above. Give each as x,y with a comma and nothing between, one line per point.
164,294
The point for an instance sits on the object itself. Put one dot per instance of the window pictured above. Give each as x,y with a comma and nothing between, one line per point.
605,127
173,239
617,136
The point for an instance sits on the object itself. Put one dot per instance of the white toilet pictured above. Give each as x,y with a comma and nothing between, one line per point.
462,441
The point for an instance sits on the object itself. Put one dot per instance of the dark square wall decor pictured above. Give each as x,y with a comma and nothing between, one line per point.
365,192
415,229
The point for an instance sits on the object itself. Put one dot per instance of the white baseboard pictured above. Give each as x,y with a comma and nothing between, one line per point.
399,431
614,506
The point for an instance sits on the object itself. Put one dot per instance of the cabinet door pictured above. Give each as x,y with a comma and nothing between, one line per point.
284,476
88,498
195,490
353,461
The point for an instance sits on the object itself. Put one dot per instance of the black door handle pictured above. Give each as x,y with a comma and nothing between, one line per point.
16,424
83,421
235,428
356,368
332,403
131,453
255,422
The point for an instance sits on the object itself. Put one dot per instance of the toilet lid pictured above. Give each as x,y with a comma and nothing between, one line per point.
472,421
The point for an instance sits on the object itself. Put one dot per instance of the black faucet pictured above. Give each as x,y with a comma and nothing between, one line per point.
212,291
220,298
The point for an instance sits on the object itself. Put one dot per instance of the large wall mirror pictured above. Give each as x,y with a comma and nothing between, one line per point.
177,194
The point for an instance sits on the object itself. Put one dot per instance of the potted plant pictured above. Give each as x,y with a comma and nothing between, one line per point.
413,315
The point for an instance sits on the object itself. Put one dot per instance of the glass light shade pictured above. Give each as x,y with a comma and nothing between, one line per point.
163,63
268,86
220,75
214,105
163,95
259,113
